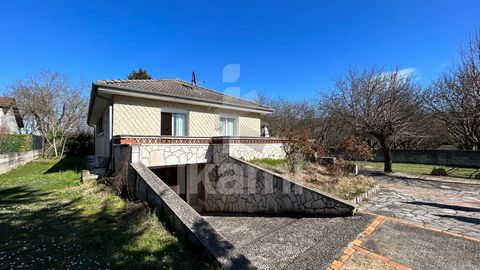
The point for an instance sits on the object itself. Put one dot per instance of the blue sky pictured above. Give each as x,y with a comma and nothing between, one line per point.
292,49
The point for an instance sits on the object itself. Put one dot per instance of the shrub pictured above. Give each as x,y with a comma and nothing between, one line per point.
321,152
81,144
337,169
439,171
355,149
12,143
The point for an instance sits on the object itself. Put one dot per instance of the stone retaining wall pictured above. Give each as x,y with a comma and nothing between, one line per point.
146,186
12,160
172,151
171,154
256,151
235,185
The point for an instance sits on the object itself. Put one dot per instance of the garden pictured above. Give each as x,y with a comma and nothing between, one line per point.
334,178
49,219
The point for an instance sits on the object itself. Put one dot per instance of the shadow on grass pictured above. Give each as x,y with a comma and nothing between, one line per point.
20,195
38,231
67,164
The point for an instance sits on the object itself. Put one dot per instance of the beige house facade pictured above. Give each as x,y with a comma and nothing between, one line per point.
171,126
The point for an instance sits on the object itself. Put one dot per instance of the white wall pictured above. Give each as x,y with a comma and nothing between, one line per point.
8,121
102,140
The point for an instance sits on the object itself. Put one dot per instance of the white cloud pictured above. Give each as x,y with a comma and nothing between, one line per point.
405,72
408,72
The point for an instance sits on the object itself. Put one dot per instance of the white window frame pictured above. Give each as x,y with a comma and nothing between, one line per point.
235,124
177,111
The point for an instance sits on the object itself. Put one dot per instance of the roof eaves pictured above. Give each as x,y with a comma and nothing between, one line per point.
141,91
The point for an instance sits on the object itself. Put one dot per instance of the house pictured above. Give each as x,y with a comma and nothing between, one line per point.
171,125
10,119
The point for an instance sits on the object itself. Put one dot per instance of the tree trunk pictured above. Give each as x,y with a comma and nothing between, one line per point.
55,150
63,146
387,156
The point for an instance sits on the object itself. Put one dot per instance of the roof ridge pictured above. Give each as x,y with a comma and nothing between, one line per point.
220,92
136,80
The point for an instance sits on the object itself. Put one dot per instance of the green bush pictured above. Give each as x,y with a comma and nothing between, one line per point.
81,144
12,143
439,171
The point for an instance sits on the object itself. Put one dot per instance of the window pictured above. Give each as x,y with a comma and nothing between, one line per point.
173,124
100,125
179,124
227,126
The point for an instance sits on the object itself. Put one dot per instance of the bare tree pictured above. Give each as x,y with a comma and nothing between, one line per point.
293,121
376,104
455,97
56,108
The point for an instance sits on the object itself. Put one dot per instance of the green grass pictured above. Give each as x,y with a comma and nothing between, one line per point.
276,165
49,219
347,187
424,169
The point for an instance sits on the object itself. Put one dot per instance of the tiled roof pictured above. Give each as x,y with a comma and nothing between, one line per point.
7,102
181,89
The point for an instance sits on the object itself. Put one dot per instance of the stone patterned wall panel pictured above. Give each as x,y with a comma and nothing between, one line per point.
171,154
161,151
255,151
237,186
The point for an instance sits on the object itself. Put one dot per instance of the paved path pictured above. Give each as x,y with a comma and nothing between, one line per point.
290,243
393,244
348,243
448,206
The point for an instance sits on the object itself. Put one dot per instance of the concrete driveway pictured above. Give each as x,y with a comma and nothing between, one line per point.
288,242
452,207
359,242
416,224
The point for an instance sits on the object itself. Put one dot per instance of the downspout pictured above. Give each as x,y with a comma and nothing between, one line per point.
110,134
94,141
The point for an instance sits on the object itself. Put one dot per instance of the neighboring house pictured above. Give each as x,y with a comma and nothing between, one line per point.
170,125
10,119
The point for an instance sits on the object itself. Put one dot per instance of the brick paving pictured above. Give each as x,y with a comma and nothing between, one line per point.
389,243
362,261
452,207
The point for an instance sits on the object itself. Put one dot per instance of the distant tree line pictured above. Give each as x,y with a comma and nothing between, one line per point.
388,109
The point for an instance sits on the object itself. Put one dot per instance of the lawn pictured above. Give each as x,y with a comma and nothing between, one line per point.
346,186
50,220
424,169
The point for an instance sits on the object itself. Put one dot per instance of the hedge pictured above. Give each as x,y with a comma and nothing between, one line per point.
12,143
